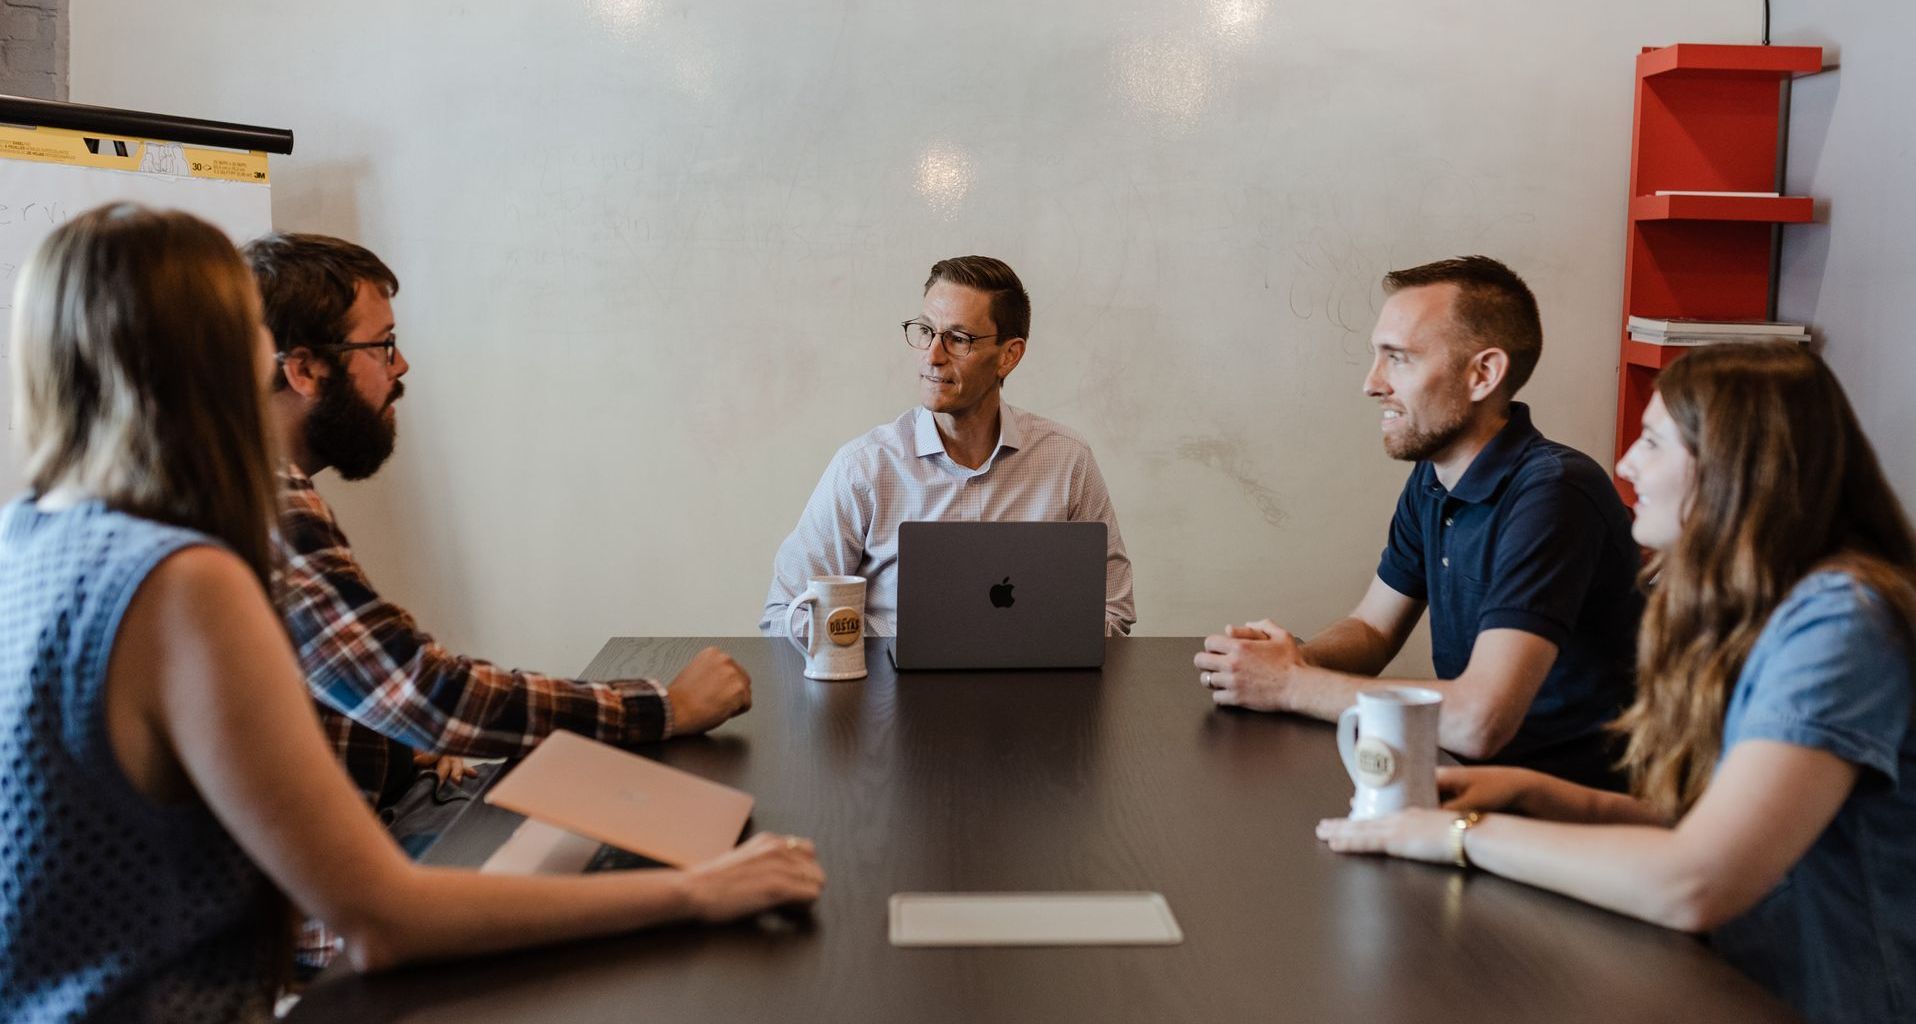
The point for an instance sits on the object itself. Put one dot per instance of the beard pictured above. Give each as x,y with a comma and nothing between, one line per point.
1422,444
345,432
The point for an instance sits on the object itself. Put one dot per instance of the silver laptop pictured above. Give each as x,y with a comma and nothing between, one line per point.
1000,595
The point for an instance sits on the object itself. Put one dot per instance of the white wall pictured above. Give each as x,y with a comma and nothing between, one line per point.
653,255
1849,275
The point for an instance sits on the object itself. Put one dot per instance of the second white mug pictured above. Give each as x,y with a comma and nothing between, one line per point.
1388,740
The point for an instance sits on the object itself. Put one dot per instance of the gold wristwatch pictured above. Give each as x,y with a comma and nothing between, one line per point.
1464,823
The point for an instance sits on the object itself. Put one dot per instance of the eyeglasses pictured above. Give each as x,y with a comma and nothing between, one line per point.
391,345
920,335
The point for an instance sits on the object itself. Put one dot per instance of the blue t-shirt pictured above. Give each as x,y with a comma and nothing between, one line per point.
112,907
1533,537
1837,937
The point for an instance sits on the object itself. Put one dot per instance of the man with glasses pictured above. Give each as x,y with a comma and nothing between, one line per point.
385,688
962,454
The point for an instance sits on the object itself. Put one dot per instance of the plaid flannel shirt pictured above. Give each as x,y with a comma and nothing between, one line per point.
385,688
383,684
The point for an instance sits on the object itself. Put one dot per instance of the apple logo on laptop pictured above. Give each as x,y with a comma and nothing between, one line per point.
1001,594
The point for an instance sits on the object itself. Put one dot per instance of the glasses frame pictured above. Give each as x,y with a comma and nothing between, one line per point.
390,344
959,345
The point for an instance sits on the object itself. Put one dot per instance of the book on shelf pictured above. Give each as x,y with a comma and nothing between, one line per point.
1737,195
1683,326
1712,339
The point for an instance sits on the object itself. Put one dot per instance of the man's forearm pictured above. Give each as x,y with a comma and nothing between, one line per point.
452,704
1350,645
1325,693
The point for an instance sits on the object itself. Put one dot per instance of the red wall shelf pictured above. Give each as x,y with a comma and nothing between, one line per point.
1729,59
1770,209
1708,119
1654,357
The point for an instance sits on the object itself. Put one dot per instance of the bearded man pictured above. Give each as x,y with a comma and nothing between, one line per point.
391,698
1519,546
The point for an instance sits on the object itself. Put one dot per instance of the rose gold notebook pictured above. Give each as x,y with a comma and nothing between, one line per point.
631,802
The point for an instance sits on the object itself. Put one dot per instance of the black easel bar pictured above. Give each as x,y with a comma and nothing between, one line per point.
162,127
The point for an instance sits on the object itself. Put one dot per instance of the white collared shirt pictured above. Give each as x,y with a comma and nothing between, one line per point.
900,473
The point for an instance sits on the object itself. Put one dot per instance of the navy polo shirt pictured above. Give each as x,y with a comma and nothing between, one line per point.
1533,537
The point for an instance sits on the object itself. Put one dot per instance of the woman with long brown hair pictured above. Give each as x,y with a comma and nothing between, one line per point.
166,777
1771,748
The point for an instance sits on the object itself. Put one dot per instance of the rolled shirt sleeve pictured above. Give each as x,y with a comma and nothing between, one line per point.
1092,503
829,539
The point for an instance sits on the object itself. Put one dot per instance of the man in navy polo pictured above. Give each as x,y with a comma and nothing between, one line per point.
1518,545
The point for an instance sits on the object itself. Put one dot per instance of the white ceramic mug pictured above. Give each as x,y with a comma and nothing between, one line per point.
1389,743
834,645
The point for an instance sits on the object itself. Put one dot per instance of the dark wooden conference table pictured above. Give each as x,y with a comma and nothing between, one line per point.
1125,779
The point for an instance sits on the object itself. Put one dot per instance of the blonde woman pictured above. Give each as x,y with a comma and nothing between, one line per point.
1771,751
166,779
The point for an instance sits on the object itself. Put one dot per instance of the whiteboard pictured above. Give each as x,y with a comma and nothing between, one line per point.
36,197
653,256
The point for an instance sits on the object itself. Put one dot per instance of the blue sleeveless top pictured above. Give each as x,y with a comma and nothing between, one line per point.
112,907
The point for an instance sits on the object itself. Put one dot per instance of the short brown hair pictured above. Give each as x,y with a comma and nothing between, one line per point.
307,285
1494,309
136,336
1010,306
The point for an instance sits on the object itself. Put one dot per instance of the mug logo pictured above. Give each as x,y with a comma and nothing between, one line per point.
844,626
1376,763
